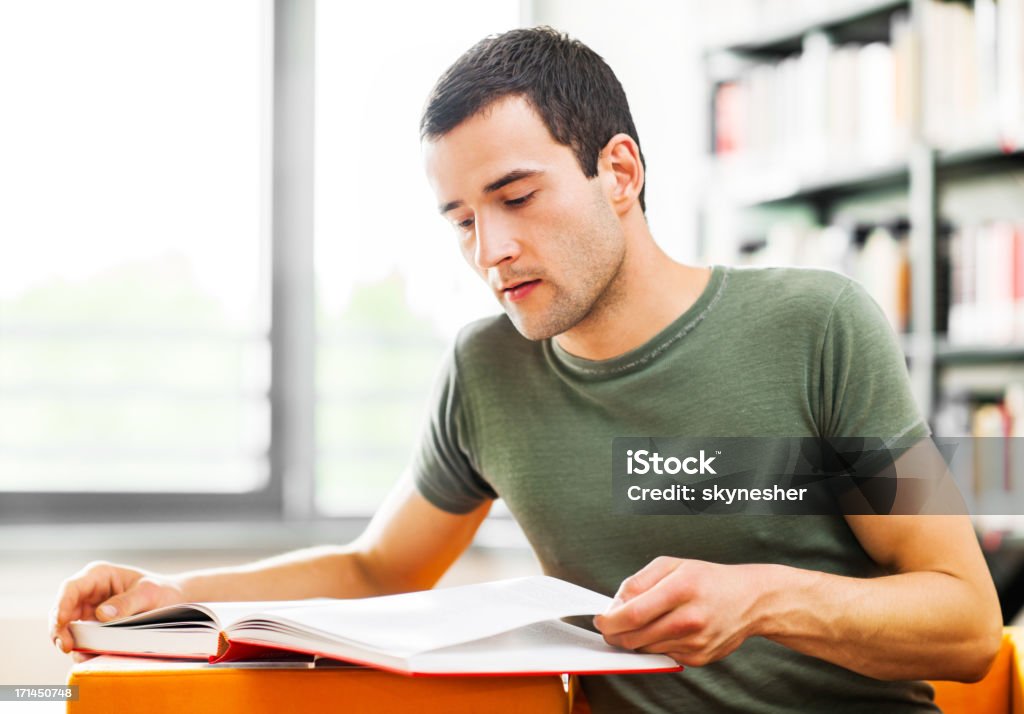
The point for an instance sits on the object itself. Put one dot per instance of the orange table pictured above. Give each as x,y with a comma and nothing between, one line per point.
125,684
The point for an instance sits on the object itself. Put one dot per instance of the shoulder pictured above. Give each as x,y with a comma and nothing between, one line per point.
790,296
806,286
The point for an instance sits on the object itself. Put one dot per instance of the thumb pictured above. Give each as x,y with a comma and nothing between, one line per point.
645,579
127,603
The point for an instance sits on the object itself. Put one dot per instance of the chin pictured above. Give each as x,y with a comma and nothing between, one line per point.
529,331
537,330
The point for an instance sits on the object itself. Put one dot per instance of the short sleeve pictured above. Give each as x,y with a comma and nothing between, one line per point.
865,389
442,466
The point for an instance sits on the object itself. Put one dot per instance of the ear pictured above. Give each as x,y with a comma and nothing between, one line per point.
622,172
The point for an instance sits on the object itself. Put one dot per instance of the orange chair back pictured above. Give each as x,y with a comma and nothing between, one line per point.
998,693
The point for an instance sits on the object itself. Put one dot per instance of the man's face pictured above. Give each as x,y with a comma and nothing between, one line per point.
542,235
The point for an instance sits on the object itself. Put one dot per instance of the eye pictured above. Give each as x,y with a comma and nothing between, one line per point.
521,201
464,224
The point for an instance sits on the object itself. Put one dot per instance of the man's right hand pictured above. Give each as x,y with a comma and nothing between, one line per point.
104,591
408,545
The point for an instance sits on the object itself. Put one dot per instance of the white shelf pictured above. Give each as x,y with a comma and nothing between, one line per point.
791,31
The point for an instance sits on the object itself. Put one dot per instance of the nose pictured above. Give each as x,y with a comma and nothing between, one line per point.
496,242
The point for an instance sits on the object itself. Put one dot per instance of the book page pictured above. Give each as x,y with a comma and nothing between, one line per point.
122,664
543,647
405,624
220,614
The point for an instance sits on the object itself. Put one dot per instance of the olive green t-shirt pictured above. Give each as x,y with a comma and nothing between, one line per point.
762,352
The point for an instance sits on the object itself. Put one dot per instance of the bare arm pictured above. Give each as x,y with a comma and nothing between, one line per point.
408,545
936,616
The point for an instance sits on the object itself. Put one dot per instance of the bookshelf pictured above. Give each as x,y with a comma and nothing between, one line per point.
859,21
898,125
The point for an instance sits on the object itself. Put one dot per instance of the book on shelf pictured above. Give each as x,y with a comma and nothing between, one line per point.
851,103
994,455
501,627
974,71
883,267
1010,70
986,289
828,104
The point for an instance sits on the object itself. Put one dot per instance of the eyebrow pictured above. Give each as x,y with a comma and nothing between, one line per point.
510,177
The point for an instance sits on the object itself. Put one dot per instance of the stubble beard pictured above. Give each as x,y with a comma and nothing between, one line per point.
600,268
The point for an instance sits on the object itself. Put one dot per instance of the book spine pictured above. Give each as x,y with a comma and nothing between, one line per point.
987,284
821,106
1010,72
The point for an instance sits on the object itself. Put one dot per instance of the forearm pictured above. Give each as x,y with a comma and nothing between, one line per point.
408,546
320,571
917,625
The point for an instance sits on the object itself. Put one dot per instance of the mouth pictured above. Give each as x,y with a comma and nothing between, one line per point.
518,291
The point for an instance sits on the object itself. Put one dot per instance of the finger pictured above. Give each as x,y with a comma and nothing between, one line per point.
60,613
75,595
140,597
645,578
91,582
66,608
681,628
643,609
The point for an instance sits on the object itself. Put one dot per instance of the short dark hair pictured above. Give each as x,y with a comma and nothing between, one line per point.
574,91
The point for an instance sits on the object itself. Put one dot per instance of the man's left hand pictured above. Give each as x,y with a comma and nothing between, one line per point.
691,610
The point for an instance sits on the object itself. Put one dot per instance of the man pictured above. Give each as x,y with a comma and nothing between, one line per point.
535,161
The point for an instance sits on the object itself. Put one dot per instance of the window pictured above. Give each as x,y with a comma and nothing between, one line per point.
138,253
391,285
134,300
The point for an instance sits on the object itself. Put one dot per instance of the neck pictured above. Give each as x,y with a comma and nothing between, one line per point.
649,293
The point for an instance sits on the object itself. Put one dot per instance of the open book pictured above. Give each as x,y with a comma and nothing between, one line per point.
502,627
